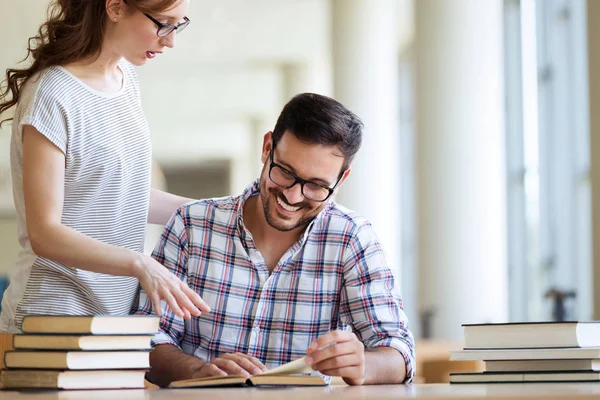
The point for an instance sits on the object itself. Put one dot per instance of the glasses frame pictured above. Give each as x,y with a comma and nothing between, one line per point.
301,181
173,27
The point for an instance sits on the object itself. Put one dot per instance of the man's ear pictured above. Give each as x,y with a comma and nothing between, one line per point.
344,176
267,146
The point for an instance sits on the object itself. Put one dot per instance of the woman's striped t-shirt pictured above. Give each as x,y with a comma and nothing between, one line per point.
106,143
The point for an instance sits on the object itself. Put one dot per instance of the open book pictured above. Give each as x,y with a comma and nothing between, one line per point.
290,374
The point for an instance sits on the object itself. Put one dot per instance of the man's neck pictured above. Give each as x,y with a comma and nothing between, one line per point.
271,242
256,222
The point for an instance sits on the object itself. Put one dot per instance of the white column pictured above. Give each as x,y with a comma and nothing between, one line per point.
365,73
461,163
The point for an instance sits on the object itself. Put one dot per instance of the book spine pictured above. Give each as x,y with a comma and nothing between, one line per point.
6,344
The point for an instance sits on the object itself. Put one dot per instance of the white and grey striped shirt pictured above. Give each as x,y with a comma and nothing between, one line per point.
106,143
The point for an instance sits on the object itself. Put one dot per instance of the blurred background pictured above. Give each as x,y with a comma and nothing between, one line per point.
481,118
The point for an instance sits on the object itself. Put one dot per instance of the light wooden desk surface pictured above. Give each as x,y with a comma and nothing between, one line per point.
577,391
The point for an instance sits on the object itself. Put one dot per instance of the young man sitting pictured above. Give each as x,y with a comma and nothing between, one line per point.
286,271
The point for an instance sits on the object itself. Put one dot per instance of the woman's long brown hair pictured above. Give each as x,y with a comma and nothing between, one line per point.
74,31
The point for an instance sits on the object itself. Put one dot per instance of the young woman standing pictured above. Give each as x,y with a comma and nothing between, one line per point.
81,162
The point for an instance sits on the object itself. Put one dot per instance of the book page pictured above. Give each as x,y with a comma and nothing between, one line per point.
298,366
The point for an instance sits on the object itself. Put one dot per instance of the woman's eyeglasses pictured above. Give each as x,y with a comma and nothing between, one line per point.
167,29
163,28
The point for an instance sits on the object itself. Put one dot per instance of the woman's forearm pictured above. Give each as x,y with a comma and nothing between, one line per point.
65,245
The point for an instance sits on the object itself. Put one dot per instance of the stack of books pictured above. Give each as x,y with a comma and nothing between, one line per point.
80,352
531,352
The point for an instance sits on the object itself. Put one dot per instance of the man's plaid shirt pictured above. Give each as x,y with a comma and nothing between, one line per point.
334,277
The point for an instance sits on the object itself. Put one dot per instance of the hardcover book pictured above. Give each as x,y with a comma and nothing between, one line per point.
293,373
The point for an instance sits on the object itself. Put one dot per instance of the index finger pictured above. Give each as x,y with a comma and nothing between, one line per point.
195,298
330,339
185,303
256,362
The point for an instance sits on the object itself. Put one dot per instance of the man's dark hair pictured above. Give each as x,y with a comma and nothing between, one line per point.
317,119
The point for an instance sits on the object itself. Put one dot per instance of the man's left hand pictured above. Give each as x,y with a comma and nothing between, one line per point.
338,353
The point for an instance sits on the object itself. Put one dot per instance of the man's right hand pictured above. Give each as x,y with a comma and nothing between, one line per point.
231,364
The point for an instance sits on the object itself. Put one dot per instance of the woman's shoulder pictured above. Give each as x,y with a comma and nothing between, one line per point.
43,90
50,84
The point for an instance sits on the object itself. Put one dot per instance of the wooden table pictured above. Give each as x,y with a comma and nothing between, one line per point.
577,391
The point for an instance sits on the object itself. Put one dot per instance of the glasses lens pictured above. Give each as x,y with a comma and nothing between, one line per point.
281,177
165,30
315,192
183,25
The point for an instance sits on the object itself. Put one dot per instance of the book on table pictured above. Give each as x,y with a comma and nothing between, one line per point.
294,373
91,324
79,352
511,377
6,344
78,360
100,379
81,342
532,335
542,365
531,352
526,354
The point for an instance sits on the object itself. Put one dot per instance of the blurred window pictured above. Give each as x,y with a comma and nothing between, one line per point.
547,124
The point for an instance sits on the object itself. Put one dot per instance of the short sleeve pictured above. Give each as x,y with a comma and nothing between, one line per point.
48,115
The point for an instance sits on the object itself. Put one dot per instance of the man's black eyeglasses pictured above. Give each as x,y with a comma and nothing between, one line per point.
310,190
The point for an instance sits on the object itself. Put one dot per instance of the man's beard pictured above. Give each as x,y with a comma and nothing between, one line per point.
269,196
